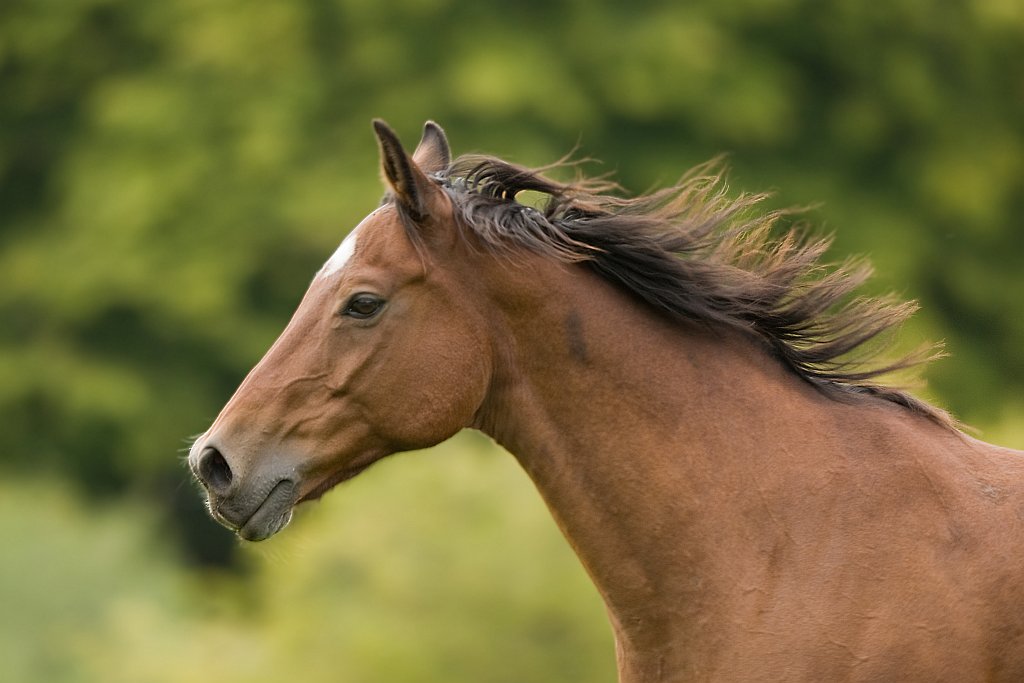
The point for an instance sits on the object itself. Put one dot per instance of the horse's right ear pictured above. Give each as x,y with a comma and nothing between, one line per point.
408,182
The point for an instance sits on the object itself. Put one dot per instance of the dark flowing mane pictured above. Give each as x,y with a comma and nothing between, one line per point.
693,253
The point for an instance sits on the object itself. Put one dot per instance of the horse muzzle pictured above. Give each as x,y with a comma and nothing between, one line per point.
255,506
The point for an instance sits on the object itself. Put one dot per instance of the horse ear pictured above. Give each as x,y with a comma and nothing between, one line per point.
432,155
410,185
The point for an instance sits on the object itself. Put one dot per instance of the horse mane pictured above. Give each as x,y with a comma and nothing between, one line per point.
696,254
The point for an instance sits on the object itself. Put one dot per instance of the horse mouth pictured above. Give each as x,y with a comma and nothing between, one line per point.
275,511
272,515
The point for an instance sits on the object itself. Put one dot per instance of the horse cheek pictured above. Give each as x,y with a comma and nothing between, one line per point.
433,393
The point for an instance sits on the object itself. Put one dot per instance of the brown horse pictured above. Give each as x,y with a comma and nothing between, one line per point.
678,384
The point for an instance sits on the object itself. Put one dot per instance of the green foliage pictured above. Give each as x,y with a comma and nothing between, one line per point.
67,572
172,173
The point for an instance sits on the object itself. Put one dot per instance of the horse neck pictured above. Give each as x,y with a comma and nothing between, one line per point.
640,437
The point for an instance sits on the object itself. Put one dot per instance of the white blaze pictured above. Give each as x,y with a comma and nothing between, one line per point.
341,255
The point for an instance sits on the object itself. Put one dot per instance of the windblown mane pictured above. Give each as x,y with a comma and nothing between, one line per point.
696,254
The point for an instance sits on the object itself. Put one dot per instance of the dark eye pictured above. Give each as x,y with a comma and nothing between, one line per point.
363,306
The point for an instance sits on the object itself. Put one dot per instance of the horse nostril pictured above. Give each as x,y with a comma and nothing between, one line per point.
214,470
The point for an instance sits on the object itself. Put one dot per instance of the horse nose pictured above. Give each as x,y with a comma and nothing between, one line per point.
213,471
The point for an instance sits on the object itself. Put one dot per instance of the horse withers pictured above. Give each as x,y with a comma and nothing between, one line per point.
750,503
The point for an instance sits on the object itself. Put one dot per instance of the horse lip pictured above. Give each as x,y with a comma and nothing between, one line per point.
272,515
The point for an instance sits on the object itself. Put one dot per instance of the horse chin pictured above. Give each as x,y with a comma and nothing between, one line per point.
333,480
272,515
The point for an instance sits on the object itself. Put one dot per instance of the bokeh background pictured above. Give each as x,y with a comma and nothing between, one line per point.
172,174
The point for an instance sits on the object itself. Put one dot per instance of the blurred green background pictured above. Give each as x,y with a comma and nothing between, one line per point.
172,174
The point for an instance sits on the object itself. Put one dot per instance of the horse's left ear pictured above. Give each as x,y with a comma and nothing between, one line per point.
403,173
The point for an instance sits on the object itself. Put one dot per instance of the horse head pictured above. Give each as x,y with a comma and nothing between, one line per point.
386,352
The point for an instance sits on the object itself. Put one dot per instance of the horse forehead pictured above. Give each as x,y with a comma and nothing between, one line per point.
341,255
359,237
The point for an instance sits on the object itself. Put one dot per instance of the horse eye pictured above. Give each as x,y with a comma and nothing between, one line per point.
363,306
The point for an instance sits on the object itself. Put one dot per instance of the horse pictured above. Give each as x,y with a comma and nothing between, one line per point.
694,392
